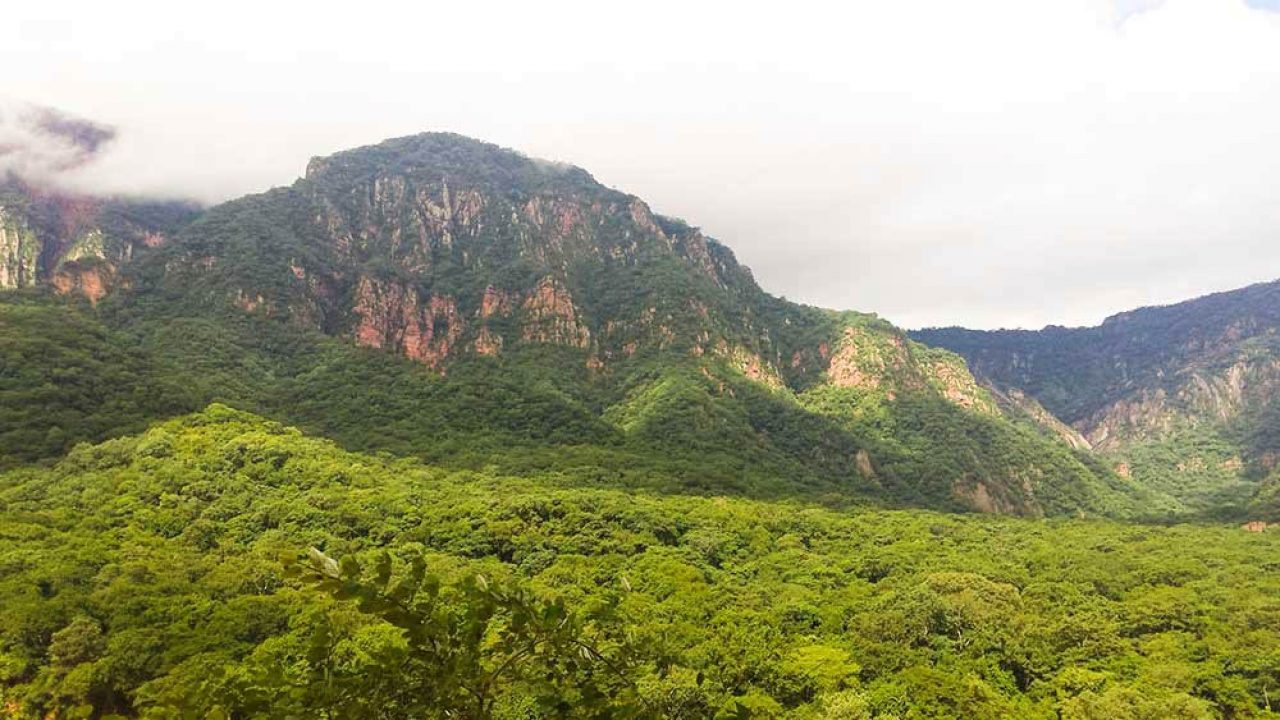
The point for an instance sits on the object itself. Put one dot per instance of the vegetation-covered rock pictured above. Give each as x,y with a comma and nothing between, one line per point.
538,310
1182,398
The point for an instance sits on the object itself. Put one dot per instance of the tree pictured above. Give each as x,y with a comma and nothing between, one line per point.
468,651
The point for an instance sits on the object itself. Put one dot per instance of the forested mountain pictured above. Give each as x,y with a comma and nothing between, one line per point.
441,297
442,431
1185,398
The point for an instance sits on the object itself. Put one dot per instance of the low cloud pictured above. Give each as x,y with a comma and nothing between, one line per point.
41,144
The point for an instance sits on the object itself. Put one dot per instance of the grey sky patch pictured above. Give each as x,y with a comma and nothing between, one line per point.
990,163
42,143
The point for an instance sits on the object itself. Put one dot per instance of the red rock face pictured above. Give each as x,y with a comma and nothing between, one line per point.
431,329
247,302
91,282
550,316
568,218
495,302
431,340
375,309
392,316
82,241
488,343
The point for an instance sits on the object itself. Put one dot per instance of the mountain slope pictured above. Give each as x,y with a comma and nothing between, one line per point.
64,377
142,578
438,247
515,311
1183,398
76,243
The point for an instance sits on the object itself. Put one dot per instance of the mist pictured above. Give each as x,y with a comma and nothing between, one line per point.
45,145
992,163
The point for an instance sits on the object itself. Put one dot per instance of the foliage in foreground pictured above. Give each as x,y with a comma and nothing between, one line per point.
142,577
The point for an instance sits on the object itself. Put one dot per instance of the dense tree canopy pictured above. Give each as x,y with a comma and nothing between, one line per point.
150,575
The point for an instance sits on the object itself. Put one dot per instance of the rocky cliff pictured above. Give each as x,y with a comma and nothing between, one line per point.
441,247
73,243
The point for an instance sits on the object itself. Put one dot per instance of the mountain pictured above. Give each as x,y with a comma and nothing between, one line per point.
1184,398
443,431
76,243
442,297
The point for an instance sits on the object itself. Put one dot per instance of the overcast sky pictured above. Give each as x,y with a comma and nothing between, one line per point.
987,163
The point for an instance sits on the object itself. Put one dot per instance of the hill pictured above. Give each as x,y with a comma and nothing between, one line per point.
143,577
74,243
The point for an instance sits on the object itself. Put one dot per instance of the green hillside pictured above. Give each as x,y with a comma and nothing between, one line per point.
677,424
439,297
1180,398
144,576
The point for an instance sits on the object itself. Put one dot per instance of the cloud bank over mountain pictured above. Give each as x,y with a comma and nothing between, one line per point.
1068,159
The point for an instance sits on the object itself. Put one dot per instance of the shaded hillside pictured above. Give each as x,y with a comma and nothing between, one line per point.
64,378
1182,397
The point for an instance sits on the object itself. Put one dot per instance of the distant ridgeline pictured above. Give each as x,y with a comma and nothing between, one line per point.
1182,399
445,298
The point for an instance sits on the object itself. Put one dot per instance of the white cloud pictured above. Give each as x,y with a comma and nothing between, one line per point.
42,143
995,162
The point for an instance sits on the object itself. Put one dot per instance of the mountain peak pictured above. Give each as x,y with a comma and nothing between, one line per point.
449,156
480,262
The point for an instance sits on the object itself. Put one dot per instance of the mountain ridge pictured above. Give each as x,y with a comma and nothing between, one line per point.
477,263
1175,391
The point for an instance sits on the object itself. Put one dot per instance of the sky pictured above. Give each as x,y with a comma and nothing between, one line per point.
988,163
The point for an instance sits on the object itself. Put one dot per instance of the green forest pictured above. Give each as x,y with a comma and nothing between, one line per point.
221,565
440,431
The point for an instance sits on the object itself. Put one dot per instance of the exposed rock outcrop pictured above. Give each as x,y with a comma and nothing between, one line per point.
19,252
1181,396
870,361
76,244
393,316
550,316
